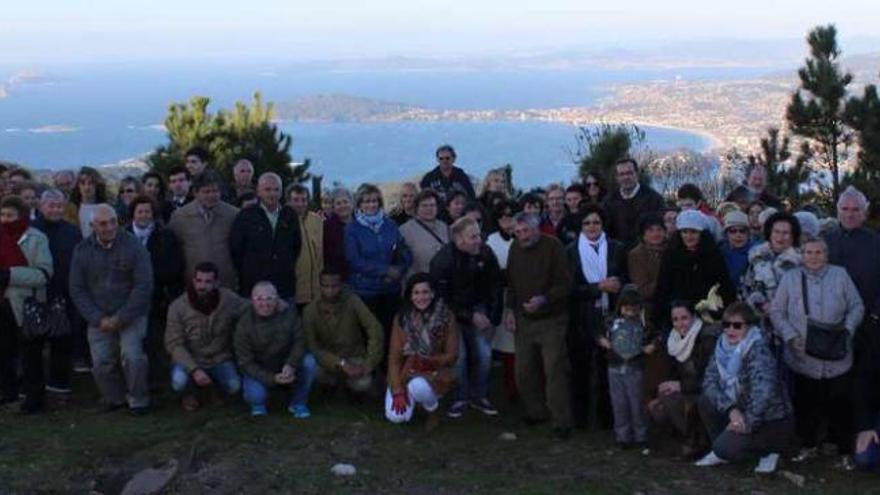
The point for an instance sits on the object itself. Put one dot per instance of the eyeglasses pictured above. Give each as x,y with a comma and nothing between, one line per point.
738,230
736,325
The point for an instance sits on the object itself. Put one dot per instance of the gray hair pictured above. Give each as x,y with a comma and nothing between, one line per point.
265,284
52,194
816,240
270,175
533,220
103,208
854,194
341,192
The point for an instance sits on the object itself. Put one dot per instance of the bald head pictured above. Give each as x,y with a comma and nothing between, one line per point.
269,190
264,298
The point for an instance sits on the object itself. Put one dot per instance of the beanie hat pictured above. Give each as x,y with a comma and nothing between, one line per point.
690,219
735,219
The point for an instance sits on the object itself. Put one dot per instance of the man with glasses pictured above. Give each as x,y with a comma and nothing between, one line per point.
446,177
111,283
627,204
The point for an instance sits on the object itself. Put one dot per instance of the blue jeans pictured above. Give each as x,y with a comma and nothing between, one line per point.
224,375
474,364
256,392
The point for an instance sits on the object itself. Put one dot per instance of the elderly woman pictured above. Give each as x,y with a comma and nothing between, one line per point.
692,264
599,273
424,234
423,351
769,261
406,207
736,245
340,214
816,311
744,405
25,271
690,347
377,255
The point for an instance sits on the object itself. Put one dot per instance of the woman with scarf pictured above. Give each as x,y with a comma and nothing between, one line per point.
770,260
377,256
599,274
25,271
744,405
423,352
690,346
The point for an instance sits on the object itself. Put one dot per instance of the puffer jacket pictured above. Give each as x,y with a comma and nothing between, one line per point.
264,345
764,273
762,397
25,281
369,254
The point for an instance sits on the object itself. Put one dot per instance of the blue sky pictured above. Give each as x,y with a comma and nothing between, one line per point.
81,30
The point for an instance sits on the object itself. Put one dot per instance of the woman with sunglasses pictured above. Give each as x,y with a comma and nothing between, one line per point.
599,265
744,405
736,245
129,188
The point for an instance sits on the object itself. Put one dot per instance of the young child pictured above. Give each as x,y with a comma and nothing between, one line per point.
627,341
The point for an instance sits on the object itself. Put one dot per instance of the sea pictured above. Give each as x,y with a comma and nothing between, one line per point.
101,114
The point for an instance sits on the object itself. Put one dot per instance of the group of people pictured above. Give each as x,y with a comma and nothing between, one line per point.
739,331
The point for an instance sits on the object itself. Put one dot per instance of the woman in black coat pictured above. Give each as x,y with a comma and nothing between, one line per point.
691,266
599,274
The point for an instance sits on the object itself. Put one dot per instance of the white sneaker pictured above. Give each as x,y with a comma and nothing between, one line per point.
767,464
710,459
806,454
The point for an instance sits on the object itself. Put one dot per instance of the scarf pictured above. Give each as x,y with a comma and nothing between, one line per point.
373,222
594,263
204,305
143,234
681,347
424,331
10,252
728,359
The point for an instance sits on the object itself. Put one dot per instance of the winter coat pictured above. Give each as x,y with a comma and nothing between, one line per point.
586,316
310,261
643,268
764,274
334,245
457,181
762,397
264,345
423,244
344,330
857,251
261,253
833,299
690,373
63,237
624,214
26,281
206,241
168,266
369,254
737,260
468,283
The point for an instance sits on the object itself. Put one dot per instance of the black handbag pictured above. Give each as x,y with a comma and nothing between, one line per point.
827,342
44,319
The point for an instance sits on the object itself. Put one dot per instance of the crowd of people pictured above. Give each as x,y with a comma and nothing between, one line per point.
716,332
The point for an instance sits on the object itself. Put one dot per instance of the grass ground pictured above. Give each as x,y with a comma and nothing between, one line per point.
220,449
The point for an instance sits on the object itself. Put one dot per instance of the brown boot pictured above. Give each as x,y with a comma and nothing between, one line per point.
189,403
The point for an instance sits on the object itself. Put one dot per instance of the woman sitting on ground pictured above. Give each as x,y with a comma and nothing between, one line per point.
423,351
744,406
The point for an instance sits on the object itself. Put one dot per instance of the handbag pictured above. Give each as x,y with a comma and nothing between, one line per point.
827,342
44,319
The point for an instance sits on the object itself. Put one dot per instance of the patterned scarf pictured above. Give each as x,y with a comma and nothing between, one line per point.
728,359
373,222
424,331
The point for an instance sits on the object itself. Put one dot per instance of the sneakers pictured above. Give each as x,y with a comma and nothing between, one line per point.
81,366
57,390
806,454
485,407
258,411
767,464
845,464
300,411
710,460
456,410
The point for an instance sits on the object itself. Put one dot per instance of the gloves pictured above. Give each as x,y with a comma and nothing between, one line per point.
399,403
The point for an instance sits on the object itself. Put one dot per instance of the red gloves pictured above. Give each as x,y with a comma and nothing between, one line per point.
399,403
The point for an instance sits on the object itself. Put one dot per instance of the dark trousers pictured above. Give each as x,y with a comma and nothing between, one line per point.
821,404
541,344
8,352
774,436
60,352
383,307
586,358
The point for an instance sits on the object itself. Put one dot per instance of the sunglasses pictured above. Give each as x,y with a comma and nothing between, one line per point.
736,325
738,230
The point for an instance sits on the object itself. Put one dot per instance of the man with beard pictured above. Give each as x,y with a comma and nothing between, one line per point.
198,336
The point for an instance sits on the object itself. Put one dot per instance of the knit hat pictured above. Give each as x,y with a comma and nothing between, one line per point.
726,207
766,214
690,219
735,219
809,224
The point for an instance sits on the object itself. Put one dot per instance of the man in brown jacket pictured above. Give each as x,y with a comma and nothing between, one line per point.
539,283
198,336
203,227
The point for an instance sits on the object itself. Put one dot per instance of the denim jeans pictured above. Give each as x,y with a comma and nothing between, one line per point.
224,375
474,364
256,392
126,346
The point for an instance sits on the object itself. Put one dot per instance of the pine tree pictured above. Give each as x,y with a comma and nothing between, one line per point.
816,110
600,147
245,132
863,114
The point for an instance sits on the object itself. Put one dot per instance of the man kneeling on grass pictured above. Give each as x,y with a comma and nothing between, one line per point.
344,337
198,336
270,348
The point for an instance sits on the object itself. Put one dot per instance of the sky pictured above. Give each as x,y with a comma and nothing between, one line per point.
40,31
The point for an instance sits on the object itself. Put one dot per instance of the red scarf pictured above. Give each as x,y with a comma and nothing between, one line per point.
10,253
